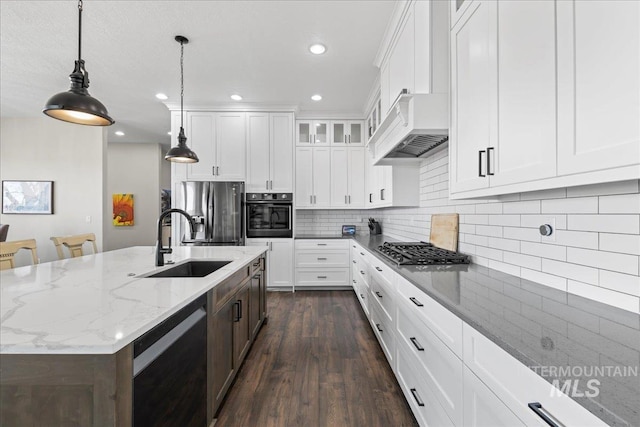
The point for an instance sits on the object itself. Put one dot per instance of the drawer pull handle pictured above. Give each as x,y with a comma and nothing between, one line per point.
378,268
256,276
321,259
416,302
362,272
361,296
416,396
353,281
416,344
537,408
378,294
354,261
322,277
322,244
378,327
362,253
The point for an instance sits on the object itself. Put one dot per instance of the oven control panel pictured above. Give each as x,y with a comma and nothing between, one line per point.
264,197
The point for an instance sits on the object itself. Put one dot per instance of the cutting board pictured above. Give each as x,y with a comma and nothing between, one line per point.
444,231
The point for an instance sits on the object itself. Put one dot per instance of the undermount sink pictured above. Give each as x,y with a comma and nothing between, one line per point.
191,269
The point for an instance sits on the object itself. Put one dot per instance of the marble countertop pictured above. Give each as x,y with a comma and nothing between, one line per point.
545,328
97,304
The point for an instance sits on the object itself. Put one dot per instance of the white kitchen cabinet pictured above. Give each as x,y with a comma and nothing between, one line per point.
347,177
544,95
219,141
270,152
322,263
393,186
473,96
347,132
517,385
280,271
313,132
313,171
482,408
200,130
599,87
439,366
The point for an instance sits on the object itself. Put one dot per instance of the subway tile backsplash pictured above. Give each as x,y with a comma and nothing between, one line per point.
594,251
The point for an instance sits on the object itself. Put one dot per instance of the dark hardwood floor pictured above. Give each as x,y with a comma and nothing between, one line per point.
315,363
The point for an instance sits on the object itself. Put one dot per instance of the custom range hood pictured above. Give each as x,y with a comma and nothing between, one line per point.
416,126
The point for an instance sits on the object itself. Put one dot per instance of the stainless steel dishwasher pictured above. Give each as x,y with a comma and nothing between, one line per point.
170,371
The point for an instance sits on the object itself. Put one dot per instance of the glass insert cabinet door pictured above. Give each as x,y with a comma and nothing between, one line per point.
355,133
312,132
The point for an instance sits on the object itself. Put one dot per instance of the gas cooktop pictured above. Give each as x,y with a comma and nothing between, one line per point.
420,253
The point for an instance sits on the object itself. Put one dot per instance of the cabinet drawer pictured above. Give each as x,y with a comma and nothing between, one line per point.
308,258
361,271
384,332
322,244
363,297
324,277
440,367
383,295
382,269
517,385
446,325
230,286
425,406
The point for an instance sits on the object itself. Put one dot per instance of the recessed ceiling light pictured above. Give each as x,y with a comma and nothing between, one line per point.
236,97
119,133
316,97
317,49
161,96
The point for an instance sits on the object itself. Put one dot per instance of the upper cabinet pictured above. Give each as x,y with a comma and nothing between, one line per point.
598,86
270,152
347,132
313,132
544,95
219,141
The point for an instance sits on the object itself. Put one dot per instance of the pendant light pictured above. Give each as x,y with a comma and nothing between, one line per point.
76,105
181,153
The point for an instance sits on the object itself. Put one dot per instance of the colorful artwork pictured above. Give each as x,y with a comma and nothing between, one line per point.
122,209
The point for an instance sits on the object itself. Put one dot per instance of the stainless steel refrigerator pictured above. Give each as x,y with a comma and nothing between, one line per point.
217,210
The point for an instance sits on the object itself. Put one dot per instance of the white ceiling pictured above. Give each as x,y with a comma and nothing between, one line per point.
258,49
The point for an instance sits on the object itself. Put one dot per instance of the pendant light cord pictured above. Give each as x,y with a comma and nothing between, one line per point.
181,84
80,30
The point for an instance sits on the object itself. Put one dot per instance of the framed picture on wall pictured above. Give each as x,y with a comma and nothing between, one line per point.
27,197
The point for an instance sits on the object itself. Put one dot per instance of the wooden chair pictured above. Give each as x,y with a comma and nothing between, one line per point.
9,249
74,244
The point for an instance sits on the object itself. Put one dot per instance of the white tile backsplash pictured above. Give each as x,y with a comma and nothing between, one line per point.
597,234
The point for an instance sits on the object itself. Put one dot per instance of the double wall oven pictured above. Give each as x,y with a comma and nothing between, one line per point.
269,215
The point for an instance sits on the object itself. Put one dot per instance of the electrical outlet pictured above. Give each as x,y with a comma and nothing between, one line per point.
551,221
87,219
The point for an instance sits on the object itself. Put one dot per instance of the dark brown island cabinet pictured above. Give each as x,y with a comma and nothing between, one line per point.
97,389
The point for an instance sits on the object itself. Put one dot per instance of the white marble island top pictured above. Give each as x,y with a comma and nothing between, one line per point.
97,304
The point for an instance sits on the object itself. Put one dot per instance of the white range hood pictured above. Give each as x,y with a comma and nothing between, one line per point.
416,126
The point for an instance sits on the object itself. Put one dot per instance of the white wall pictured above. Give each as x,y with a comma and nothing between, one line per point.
134,169
596,252
72,156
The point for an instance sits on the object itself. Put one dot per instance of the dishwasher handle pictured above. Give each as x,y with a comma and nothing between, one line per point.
145,358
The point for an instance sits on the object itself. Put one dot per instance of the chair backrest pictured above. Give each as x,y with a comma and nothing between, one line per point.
4,230
9,249
74,244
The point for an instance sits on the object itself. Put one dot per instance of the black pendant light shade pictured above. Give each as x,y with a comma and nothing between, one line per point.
76,105
181,153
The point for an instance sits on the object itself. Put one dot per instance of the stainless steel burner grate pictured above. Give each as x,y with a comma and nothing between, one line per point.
420,253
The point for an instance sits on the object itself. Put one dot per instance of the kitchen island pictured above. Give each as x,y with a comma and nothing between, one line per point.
68,328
